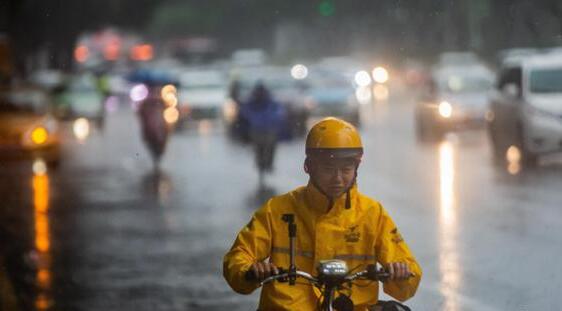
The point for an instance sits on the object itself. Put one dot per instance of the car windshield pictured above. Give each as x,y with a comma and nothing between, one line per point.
83,84
324,80
202,80
465,84
546,80
23,101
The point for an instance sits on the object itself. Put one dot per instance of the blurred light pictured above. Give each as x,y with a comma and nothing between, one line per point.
513,158
326,8
446,169
81,129
363,95
230,110
445,109
41,206
142,52
514,168
381,92
169,96
112,50
171,115
42,302
168,89
44,278
138,93
81,53
171,100
39,167
513,154
362,78
380,75
449,266
39,135
299,71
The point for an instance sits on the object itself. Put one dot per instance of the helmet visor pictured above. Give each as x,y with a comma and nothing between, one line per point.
335,153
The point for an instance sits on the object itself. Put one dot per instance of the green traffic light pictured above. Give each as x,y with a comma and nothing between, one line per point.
326,8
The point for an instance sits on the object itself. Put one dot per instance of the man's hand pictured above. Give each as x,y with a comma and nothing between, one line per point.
399,271
263,270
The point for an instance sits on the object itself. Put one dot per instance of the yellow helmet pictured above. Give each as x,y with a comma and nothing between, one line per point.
334,138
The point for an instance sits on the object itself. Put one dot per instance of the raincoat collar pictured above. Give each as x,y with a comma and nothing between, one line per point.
320,203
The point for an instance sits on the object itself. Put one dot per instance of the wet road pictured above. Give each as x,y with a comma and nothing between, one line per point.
105,233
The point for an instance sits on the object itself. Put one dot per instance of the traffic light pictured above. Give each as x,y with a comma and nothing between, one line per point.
327,8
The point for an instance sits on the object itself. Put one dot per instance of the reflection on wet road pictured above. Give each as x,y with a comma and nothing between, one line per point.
448,253
42,240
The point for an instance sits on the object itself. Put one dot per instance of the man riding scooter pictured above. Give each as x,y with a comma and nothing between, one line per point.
336,221
264,117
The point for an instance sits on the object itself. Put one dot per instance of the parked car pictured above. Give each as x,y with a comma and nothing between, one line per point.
525,108
80,97
456,98
27,130
202,93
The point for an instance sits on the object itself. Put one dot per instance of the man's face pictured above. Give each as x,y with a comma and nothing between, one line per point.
333,176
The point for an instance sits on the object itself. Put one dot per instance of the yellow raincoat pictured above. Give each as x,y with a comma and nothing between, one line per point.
361,235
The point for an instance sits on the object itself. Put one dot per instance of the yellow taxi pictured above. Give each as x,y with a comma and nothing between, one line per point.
27,130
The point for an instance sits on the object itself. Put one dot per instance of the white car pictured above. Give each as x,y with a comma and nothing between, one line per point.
456,99
526,108
202,93
80,98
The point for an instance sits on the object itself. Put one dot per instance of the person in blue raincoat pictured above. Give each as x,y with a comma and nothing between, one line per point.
265,118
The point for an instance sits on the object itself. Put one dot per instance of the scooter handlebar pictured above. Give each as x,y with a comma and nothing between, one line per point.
282,276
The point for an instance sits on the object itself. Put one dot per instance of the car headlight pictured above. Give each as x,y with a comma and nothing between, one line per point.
81,128
362,78
171,115
445,109
380,75
39,135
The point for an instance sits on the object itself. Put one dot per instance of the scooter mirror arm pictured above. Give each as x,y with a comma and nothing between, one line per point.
292,229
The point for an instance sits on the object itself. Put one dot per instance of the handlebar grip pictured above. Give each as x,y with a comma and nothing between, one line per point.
250,276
